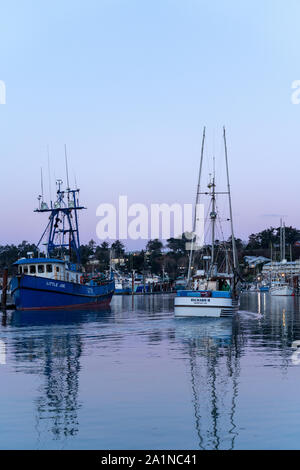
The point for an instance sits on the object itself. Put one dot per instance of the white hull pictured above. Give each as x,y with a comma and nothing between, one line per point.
281,290
205,307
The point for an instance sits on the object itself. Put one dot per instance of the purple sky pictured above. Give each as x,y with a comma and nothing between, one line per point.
128,86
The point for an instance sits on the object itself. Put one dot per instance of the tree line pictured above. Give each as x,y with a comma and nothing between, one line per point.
172,258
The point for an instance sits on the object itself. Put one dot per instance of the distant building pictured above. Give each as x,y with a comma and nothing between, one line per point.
254,261
280,268
120,261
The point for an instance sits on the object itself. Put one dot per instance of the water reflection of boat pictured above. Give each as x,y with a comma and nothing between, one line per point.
212,346
54,317
52,352
217,330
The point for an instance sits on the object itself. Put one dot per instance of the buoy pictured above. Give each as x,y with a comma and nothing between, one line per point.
296,344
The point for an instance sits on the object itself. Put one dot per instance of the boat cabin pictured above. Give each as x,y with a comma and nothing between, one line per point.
54,269
220,282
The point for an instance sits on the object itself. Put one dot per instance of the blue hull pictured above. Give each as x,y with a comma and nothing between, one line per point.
264,289
33,292
123,291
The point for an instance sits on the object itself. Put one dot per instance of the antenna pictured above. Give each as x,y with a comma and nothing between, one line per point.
49,174
42,185
67,171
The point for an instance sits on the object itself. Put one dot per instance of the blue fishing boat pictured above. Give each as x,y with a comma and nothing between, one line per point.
58,281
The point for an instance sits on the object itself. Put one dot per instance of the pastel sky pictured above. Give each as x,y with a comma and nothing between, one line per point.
128,85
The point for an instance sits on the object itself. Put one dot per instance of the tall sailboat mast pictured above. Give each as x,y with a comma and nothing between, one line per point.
196,209
282,240
234,252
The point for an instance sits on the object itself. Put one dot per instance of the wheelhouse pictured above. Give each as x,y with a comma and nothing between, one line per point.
48,268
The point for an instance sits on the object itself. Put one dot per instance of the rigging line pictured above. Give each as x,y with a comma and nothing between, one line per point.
205,222
220,225
43,234
196,207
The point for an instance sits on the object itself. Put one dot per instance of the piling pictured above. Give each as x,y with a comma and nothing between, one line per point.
4,289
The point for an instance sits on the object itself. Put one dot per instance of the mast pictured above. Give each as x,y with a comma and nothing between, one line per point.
67,170
283,241
63,224
213,216
235,261
196,208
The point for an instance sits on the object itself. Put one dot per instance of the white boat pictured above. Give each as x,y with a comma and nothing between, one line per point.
195,304
211,293
281,288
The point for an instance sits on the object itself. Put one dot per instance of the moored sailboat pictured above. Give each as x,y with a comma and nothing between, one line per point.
279,283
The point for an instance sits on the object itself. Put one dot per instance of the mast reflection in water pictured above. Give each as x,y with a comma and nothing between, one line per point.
56,356
214,365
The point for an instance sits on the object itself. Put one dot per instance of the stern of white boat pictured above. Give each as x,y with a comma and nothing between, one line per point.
190,306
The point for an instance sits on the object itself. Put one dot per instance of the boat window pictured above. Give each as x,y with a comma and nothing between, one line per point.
20,269
25,269
32,269
41,268
57,269
49,268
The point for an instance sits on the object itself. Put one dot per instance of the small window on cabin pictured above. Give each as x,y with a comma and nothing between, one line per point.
25,269
57,269
20,269
32,269
49,268
41,268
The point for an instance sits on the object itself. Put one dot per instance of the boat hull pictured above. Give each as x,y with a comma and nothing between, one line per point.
197,306
37,293
264,289
281,290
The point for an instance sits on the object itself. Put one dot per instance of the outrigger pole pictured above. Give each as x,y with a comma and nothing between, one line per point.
58,214
196,209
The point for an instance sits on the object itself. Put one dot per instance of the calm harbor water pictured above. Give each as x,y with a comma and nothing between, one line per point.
134,377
